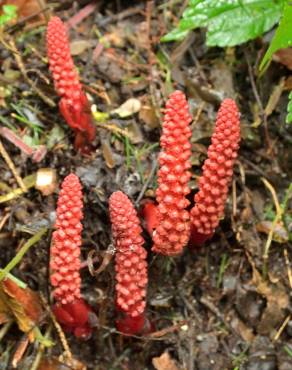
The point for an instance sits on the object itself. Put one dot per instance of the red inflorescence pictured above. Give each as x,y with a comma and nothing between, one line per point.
74,104
130,264
70,309
217,173
173,230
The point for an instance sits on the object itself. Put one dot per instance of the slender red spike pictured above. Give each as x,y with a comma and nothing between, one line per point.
130,264
74,104
173,230
70,309
217,174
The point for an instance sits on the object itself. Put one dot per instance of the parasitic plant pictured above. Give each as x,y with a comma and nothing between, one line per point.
74,105
217,174
70,308
172,218
130,265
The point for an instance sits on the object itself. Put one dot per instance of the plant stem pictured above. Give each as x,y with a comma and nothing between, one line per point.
33,240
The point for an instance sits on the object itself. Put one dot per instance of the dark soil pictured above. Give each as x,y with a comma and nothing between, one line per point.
215,308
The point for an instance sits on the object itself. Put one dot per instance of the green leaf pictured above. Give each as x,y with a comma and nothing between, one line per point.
289,109
228,22
9,13
282,38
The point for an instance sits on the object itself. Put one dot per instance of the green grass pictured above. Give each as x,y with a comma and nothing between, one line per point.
135,156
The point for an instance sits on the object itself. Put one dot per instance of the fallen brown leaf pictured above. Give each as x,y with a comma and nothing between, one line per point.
148,115
276,297
23,304
244,331
164,362
280,234
107,153
5,313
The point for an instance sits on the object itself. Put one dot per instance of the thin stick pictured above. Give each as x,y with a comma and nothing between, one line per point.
283,326
287,262
277,218
4,219
10,164
60,332
5,328
41,349
22,69
29,182
198,113
114,129
21,253
145,186
258,99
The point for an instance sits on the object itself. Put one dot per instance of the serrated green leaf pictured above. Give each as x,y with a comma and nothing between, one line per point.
282,38
228,22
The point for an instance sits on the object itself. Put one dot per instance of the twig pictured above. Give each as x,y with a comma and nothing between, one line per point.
205,301
15,140
259,102
234,199
170,329
4,219
198,114
22,69
114,129
33,240
279,213
151,58
43,9
41,349
21,348
29,182
37,153
106,259
82,14
5,329
10,164
282,327
121,15
60,332
287,262
151,175
256,168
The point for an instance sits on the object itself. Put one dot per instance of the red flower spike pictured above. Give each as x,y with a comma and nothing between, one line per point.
130,264
173,231
70,309
74,104
217,174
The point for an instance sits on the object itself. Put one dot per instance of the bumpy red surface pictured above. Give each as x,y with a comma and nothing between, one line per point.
66,242
74,104
130,260
217,173
70,309
173,231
